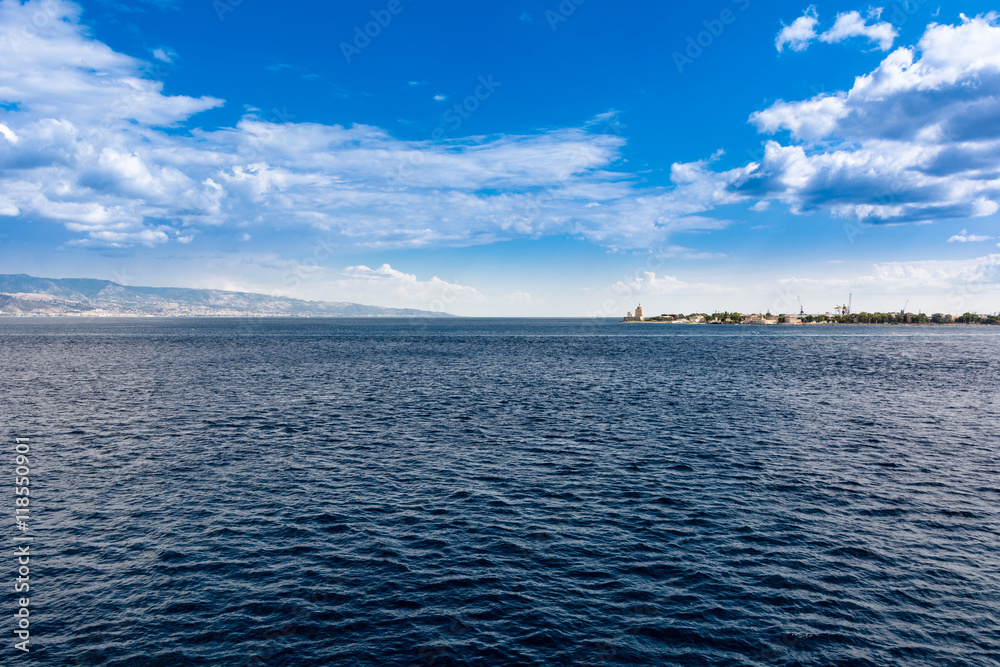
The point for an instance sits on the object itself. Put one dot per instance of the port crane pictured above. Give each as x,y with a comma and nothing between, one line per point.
846,309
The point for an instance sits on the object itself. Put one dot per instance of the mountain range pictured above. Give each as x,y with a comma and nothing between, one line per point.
23,295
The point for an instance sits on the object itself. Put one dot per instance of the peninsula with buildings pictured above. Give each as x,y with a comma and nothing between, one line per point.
841,315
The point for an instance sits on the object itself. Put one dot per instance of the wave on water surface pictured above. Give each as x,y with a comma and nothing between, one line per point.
508,492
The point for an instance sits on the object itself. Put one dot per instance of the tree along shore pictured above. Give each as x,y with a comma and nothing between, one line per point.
854,318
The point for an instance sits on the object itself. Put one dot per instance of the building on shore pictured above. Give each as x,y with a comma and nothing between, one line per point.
637,316
758,318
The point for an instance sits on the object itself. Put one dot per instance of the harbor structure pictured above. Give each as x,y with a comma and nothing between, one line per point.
638,315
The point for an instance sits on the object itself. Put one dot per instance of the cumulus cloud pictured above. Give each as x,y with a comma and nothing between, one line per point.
91,143
51,69
802,31
852,25
85,146
917,139
966,237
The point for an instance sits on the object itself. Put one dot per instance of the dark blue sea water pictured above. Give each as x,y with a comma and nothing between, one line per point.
504,492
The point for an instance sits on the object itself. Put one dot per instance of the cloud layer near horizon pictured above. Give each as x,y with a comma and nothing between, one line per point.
89,141
959,276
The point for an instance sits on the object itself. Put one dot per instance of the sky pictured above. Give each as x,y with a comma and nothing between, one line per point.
534,158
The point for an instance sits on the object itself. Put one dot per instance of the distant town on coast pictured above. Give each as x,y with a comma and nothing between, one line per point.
841,315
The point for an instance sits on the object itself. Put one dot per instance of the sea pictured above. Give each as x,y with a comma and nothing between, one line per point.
489,492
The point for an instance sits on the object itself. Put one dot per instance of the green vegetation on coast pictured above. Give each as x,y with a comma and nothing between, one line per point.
853,318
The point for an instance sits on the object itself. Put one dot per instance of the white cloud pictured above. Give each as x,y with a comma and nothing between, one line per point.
852,25
54,70
953,274
798,35
165,54
802,31
440,98
966,237
387,284
8,134
91,154
517,298
648,283
917,139
114,239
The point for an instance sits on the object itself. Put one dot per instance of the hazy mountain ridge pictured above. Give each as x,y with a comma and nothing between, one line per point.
23,295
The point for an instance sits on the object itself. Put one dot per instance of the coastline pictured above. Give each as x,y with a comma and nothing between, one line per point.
828,323
842,316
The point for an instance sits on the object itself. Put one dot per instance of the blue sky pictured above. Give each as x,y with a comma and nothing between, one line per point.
538,158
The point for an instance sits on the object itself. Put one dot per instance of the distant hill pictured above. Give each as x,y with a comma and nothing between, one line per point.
22,295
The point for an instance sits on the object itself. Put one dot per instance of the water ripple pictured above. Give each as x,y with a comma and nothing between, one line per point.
330,492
